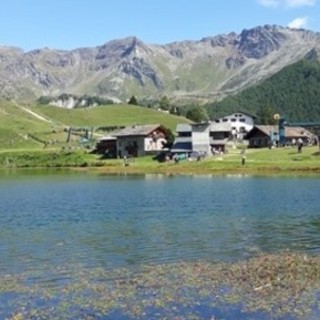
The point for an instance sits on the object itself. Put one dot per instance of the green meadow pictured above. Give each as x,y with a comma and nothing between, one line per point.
36,136
258,161
36,126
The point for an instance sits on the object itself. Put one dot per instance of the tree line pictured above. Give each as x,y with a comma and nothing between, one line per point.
294,93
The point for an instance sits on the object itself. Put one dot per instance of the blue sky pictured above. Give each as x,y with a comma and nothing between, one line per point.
70,24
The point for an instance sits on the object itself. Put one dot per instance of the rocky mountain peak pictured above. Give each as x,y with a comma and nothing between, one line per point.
199,71
221,40
258,42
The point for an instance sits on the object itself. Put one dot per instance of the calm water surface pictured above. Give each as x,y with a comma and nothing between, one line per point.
127,220
110,221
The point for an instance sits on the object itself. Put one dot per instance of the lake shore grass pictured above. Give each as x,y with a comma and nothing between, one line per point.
280,161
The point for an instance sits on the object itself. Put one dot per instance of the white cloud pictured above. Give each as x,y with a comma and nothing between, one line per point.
299,3
269,3
287,3
298,23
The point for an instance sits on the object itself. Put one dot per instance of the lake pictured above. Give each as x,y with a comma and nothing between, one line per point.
59,227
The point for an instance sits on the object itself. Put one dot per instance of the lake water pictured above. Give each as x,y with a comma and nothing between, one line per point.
54,221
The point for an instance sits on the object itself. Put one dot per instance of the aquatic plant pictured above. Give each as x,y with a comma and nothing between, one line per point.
282,285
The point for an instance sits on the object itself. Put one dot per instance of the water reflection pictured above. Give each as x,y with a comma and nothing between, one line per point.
55,223
126,220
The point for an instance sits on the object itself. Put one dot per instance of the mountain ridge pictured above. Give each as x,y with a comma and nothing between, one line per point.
192,70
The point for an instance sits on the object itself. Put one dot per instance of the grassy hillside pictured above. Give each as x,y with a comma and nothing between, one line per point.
16,124
110,115
37,126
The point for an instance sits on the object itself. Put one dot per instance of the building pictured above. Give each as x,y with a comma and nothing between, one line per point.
241,123
201,137
265,135
107,146
183,139
206,138
134,141
192,137
220,134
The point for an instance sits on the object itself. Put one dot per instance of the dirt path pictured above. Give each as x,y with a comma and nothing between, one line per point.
36,115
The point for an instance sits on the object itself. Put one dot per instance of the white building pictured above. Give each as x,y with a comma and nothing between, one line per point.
212,137
241,123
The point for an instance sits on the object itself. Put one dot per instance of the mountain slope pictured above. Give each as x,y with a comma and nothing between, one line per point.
293,92
39,126
204,70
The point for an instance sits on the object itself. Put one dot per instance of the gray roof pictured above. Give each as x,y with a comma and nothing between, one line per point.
214,127
137,130
183,127
242,112
107,138
289,131
220,127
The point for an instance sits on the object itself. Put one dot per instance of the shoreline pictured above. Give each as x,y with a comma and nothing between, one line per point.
259,162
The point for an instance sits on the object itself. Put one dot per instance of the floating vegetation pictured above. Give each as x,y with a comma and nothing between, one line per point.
277,286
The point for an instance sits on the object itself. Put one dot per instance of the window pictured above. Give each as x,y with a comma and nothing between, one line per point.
217,121
233,120
184,134
225,120
242,120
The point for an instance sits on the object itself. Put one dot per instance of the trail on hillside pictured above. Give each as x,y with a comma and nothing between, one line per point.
36,115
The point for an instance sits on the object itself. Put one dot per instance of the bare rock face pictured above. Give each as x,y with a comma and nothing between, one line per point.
189,70
235,62
259,42
313,55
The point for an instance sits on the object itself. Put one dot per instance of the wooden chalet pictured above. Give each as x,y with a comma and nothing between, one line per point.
265,135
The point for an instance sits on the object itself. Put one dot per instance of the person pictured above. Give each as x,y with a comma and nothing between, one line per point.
125,161
300,144
243,160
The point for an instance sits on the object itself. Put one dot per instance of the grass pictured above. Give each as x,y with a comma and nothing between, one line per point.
20,129
258,162
23,137
111,115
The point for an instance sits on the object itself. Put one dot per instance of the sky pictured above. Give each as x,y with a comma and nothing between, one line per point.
71,24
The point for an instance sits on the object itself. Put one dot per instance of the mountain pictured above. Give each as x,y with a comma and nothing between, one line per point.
293,92
205,70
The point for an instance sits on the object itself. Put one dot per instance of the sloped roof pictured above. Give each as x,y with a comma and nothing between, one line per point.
137,130
107,138
267,129
237,112
289,131
183,127
220,127
297,132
